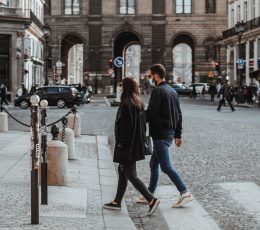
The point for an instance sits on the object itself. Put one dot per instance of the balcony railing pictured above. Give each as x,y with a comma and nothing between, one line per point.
250,25
14,12
18,12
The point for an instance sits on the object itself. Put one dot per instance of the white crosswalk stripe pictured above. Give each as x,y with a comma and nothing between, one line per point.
193,216
190,217
246,194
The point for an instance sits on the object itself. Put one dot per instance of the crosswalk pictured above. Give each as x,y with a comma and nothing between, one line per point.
194,217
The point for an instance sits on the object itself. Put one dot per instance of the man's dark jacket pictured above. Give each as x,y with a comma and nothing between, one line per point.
164,113
130,129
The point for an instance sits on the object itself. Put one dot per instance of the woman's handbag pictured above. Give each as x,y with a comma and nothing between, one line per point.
148,145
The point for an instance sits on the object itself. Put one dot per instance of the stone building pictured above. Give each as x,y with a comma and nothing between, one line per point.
181,34
21,43
242,40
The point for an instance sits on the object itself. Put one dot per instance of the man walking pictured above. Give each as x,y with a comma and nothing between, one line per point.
3,94
165,125
225,94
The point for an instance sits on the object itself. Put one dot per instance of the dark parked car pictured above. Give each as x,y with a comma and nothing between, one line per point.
55,95
182,89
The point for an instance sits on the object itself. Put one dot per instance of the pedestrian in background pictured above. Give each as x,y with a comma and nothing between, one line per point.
224,94
19,92
258,95
3,94
130,127
24,90
212,92
33,90
165,125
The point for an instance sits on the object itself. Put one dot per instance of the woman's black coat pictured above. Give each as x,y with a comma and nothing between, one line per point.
130,128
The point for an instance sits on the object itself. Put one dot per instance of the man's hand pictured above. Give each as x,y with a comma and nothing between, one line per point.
178,142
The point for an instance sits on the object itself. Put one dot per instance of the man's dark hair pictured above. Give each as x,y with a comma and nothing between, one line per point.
159,70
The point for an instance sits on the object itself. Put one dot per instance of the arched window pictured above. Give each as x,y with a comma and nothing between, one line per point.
71,7
182,63
132,61
126,6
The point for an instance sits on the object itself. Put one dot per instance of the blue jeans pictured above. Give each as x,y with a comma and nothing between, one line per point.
160,157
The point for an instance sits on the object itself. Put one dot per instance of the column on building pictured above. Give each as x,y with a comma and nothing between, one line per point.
247,64
158,31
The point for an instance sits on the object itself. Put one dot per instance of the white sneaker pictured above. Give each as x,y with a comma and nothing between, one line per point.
141,200
184,199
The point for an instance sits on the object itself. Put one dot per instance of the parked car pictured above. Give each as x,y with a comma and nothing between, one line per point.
182,89
55,95
199,87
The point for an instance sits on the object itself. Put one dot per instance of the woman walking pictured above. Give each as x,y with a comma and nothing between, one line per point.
130,128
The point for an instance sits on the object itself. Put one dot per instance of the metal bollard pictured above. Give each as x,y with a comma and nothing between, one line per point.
44,154
35,159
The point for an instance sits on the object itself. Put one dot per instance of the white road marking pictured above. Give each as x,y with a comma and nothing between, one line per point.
246,194
190,217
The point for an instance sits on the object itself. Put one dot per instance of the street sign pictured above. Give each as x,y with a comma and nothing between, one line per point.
240,66
240,61
119,62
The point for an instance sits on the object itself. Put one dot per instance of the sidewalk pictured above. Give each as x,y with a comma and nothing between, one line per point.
92,182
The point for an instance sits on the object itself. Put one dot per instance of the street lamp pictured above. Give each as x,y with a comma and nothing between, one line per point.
46,35
240,28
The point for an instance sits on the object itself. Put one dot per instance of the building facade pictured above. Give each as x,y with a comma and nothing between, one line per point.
181,34
242,40
21,43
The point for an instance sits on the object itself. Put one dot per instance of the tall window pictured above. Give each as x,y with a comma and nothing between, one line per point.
71,7
183,6
182,63
238,13
245,12
253,10
127,6
210,6
232,19
132,61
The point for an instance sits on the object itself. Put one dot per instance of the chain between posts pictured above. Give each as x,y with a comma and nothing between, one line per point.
47,125
64,122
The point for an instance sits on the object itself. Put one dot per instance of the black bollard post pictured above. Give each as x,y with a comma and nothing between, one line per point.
44,154
35,159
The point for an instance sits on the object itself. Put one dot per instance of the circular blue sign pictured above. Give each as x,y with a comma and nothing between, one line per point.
119,62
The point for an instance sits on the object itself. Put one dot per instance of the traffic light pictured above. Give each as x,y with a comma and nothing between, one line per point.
110,62
217,69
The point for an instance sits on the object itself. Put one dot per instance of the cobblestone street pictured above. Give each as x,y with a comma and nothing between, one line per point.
220,155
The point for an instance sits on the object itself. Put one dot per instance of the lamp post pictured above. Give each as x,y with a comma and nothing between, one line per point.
46,35
240,28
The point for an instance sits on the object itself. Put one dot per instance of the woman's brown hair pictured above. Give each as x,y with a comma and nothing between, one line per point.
130,91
